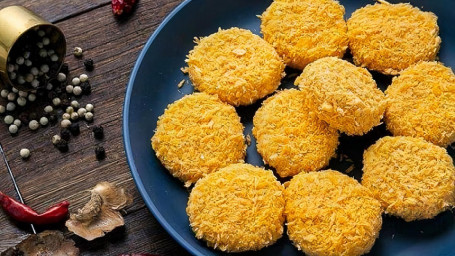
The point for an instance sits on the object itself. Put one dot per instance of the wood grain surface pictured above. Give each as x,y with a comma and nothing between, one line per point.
50,176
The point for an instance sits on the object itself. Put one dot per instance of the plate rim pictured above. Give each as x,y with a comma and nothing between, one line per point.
126,138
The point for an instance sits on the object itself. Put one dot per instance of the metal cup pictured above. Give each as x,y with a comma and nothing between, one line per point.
15,22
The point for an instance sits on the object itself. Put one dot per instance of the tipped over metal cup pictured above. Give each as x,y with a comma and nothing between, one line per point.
18,25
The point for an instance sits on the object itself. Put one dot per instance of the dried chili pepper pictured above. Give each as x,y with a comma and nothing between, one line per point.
120,7
24,213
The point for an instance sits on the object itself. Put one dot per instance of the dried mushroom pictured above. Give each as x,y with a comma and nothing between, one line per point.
45,243
101,213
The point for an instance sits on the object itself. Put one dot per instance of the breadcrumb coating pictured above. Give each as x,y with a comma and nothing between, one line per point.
422,103
197,135
391,37
303,31
329,213
238,208
290,137
236,65
414,179
343,95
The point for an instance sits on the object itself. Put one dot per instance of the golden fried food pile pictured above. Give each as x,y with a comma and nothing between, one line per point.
237,207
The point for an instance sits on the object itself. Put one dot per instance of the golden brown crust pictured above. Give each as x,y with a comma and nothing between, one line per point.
197,135
238,208
329,213
343,95
422,103
412,178
305,30
236,65
390,37
290,137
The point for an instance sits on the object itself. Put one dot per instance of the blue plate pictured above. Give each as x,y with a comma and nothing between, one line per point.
153,85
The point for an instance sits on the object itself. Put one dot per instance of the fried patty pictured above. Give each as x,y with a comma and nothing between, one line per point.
391,37
422,103
343,95
236,65
329,213
290,137
303,31
239,208
197,135
414,179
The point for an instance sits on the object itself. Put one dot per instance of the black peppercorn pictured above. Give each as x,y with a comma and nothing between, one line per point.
53,119
74,129
86,88
51,95
65,134
62,145
64,69
98,131
100,153
24,118
88,63
32,116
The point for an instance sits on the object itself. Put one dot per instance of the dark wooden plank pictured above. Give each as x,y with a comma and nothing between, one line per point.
50,176
55,11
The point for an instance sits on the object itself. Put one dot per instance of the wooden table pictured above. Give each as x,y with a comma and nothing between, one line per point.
49,176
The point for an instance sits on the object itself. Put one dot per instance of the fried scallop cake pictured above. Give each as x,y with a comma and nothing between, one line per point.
197,135
303,31
422,103
343,95
391,37
414,179
290,137
238,208
329,213
236,65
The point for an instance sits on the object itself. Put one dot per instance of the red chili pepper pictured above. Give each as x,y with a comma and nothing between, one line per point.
24,213
120,7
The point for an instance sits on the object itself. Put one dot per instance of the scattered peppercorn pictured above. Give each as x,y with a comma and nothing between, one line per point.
44,121
83,78
89,107
86,88
88,63
52,119
98,132
8,119
56,139
25,153
100,153
74,116
74,129
77,52
77,90
89,117
33,125
62,145
65,134
65,123
64,69
13,129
